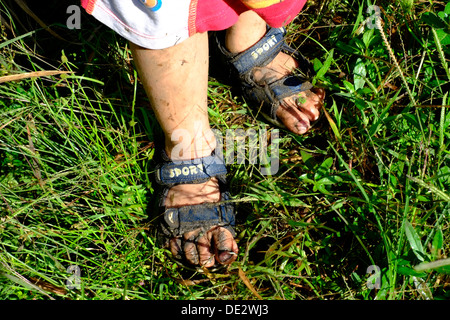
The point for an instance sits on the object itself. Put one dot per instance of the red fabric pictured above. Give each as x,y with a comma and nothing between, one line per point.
213,15
88,5
280,14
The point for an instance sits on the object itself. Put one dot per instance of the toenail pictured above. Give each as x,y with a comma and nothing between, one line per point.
194,258
301,128
207,261
191,239
226,255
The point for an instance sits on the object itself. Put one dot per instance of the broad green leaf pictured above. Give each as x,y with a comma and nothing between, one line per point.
442,15
368,36
349,86
408,271
433,20
438,241
317,65
447,9
444,37
359,74
324,168
307,158
414,240
321,188
330,180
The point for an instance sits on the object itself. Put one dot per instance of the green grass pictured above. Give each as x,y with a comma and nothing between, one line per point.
366,187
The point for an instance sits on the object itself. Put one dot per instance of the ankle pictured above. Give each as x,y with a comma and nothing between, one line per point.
188,149
247,31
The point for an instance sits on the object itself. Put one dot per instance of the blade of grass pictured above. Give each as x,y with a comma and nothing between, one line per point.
15,77
247,283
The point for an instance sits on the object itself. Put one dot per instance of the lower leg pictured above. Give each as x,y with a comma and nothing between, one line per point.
248,30
176,80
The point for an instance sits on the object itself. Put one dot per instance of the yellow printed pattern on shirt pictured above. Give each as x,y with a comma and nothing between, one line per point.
258,4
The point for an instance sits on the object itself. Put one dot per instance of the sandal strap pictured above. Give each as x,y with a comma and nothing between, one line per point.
277,91
198,170
178,221
261,53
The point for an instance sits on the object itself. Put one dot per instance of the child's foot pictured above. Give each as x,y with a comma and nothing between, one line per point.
217,246
266,71
296,112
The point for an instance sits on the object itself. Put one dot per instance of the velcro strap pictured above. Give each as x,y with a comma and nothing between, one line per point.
191,171
264,51
288,87
203,216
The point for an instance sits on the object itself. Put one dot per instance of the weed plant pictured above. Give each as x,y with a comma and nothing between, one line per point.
358,209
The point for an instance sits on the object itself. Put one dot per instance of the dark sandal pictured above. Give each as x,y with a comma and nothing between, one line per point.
175,222
269,96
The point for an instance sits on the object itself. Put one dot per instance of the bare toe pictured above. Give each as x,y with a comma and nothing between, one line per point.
175,248
217,245
310,103
293,118
205,251
190,248
226,246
